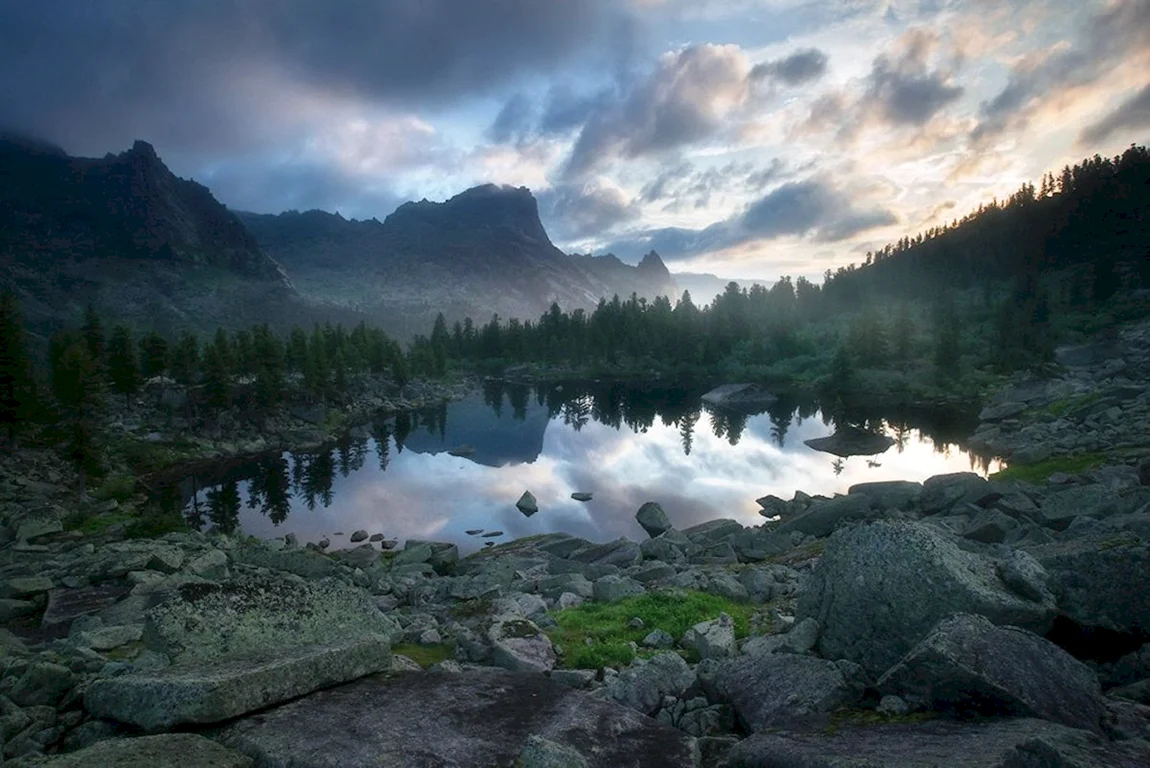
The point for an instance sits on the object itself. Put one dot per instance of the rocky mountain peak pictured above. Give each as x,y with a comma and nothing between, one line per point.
486,207
653,265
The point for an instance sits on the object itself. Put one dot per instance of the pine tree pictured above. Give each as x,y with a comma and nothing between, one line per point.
77,388
93,333
217,377
123,368
17,394
186,359
154,355
268,359
903,332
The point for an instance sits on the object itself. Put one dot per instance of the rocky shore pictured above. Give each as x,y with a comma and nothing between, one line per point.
960,622
955,622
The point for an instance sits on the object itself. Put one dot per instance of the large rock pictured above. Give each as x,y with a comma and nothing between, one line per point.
472,719
653,519
221,690
1058,510
169,750
260,616
888,494
881,588
643,684
307,563
824,516
851,441
66,605
713,639
1095,577
969,666
517,644
713,531
777,690
1002,743
527,504
942,493
620,553
615,587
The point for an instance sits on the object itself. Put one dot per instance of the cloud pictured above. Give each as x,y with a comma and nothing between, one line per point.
904,88
513,121
93,76
588,210
813,208
1132,113
269,187
801,67
1109,38
684,100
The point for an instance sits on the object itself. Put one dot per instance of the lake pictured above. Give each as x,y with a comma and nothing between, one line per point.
398,477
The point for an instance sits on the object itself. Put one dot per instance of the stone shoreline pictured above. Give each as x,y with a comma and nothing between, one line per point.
959,622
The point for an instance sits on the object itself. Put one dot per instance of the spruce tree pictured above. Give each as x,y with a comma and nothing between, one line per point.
77,388
154,355
93,333
17,395
123,368
217,377
186,359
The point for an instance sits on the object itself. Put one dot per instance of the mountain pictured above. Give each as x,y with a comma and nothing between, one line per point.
704,287
125,233
484,251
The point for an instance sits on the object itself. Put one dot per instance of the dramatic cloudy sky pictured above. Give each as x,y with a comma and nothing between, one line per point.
745,137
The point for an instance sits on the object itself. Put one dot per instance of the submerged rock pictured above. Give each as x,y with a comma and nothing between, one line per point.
851,441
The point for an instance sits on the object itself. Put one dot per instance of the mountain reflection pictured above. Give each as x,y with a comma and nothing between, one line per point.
514,436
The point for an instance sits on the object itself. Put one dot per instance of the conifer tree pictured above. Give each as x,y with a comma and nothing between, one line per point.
186,359
154,355
17,393
93,333
77,388
123,367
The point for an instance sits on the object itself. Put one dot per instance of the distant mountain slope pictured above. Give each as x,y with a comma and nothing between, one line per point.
125,233
704,287
484,251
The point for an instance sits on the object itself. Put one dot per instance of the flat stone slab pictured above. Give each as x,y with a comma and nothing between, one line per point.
214,692
66,605
851,441
478,717
169,750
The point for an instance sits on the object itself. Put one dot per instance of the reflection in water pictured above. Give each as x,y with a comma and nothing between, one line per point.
408,476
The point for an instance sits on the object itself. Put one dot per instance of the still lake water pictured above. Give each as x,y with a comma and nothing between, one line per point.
625,446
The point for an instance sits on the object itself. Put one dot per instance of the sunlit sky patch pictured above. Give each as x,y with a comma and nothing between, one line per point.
751,138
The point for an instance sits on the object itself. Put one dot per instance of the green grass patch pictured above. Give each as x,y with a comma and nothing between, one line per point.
425,655
153,524
93,524
1039,472
1060,408
605,624
116,486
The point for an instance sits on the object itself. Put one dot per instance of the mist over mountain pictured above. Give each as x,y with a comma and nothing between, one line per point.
123,232
480,253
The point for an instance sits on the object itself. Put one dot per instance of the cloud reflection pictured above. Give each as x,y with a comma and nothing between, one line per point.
425,493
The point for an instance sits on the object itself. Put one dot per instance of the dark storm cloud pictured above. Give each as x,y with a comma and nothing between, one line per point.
513,121
684,100
810,208
905,89
800,67
575,211
1122,29
96,75
566,110
1132,113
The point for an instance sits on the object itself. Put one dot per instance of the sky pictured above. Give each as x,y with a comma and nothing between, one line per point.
747,138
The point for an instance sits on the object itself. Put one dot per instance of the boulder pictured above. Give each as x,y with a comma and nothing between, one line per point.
713,639
823,517
476,717
1060,509
307,563
881,588
1096,579
771,690
966,665
440,555
851,441
1002,743
42,684
611,588
1001,411
800,638
527,504
220,690
888,494
713,531
990,526
942,493
66,605
25,587
581,496
621,553
643,684
358,536
773,506
538,752
259,617
653,519
671,546
169,750
517,644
